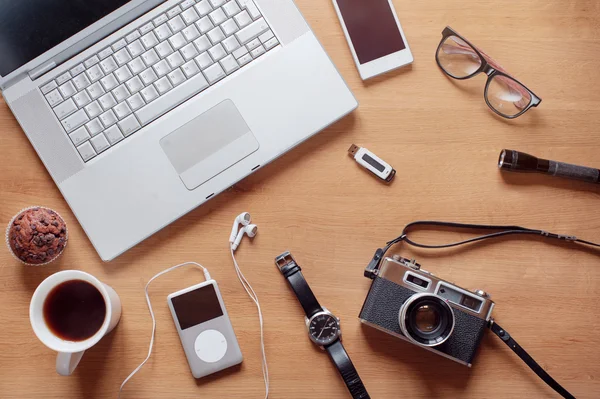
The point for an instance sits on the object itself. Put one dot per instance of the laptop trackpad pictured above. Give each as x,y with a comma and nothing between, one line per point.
209,144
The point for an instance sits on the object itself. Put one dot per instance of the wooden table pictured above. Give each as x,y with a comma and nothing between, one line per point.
316,202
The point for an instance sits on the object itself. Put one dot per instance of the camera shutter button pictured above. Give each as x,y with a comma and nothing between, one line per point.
482,293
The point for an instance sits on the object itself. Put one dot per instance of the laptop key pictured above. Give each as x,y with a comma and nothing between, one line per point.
229,64
257,52
191,33
190,16
187,3
176,59
217,52
251,31
96,90
65,109
231,8
176,24
74,121
149,93
82,99
204,60
54,97
190,68
203,7
105,53
107,101
122,56
94,109
95,73
67,90
94,127
163,32
86,151
163,85
63,78
109,82
108,118
243,19
113,134
129,125
119,45
244,59
76,70
136,102
214,73
146,28
176,77
272,42
161,19
81,81
217,16
121,93
79,136
108,64
132,36
100,143
148,76
149,40
174,11
49,87
91,61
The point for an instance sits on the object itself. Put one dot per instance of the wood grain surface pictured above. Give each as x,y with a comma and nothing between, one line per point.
317,202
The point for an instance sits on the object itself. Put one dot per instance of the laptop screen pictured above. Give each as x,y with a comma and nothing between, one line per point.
28,28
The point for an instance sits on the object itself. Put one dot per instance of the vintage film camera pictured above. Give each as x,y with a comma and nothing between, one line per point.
413,304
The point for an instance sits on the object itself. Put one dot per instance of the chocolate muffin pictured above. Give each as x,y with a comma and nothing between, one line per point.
37,236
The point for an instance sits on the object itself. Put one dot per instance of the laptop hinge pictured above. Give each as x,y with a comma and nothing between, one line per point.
36,73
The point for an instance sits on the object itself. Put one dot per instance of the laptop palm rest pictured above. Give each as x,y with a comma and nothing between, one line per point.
209,144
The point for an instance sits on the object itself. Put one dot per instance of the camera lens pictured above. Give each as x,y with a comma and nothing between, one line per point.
426,319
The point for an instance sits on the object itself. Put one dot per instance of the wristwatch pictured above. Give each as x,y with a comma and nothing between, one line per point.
323,327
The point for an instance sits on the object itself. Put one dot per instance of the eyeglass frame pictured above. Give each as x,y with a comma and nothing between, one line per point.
487,68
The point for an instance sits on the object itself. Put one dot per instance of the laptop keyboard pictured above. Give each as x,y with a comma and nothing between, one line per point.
154,68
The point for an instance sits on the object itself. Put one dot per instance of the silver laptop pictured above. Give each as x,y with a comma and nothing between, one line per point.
142,110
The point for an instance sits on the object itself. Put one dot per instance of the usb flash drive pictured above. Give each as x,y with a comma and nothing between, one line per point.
372,163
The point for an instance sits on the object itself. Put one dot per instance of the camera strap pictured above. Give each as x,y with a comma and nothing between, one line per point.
497,231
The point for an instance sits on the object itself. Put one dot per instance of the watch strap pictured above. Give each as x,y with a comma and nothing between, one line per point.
293,274
340,357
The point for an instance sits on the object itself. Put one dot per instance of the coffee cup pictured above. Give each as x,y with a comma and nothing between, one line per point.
70,312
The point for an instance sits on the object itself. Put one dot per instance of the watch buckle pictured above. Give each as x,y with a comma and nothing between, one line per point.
285,259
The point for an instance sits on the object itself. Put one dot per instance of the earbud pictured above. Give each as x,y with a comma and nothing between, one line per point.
251,230
243,219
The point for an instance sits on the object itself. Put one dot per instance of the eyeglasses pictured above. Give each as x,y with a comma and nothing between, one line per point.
504,94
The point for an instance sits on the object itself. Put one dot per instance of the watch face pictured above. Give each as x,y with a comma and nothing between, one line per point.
324,329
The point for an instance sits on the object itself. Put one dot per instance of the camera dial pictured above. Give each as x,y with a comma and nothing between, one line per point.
426,319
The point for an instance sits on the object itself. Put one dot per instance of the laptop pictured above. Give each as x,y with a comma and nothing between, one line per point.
142,110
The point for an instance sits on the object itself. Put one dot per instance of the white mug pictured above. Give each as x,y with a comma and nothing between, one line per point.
69,352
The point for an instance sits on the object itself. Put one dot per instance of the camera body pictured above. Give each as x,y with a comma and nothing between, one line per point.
413,304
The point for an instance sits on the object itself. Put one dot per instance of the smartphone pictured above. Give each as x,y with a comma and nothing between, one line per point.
374,35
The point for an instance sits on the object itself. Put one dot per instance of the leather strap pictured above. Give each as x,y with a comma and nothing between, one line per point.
512,344
340,357
293,274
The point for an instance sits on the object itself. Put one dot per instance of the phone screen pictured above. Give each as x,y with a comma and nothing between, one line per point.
372,28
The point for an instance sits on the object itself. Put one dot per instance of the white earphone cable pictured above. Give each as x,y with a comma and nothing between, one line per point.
138,368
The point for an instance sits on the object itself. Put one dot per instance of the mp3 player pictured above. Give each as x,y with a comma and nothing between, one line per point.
204,328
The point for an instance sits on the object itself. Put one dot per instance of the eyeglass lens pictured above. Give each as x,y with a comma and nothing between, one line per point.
457,58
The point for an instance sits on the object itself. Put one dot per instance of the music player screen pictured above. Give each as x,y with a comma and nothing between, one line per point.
196,307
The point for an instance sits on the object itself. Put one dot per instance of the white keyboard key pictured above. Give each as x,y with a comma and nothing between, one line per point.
149,40
109,82
105,53
107,101
108,64
122,110
214,73
216,35
229,64
65,109
217,3
231,44
123,74
148,76
149,93
81,81
119,45
161,19
172,99
217,52
174,11
122,56
251,31
257,52
65,77
113,134
94,109
136,102
163,32
203,7
177,41
54,97
243,19
217,16
121,93
108,118
231,8
132,36
75,120
177,77
266,36
239,52
136,49
204,25
79,136
164,49
49,87
67,90
204,60
162,68
94,127
202,44
189,52
244,59
176,59
86,151
190,68
82,99
134,85
190,16
187,3
96,90
229,27
146,28
191,33
100,143
76,70
176,24
136,66
163,85
129,125
252,44
251,7
95,73
91,61
150,57
272,42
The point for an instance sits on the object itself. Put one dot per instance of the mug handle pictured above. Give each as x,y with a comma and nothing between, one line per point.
67,362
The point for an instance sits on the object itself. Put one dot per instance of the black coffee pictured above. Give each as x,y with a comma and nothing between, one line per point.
74,310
